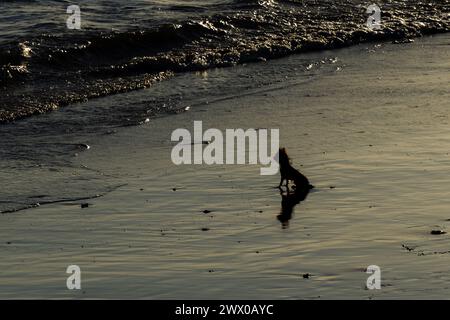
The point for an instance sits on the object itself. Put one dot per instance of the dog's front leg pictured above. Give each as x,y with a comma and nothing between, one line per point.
281,182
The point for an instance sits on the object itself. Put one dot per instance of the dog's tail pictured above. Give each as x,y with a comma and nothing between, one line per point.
311,186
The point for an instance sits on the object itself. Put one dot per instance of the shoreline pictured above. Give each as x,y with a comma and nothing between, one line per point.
364,135
192,46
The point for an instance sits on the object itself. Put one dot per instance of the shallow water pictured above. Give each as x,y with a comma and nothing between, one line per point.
115,51
129,45
375,128
43,148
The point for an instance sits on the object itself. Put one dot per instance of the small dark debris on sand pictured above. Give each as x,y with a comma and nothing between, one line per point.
201,142
174,189
306,276
437,232
84,205
332,187
408,248
205,229
206,211
9,242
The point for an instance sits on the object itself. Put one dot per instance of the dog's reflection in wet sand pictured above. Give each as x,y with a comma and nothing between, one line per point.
289,200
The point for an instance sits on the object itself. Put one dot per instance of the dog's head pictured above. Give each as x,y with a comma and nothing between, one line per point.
283,156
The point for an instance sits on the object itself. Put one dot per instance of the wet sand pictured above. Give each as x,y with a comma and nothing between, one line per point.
372,136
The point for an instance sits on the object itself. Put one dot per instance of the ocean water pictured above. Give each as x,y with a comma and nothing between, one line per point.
129,45
62,88
22,18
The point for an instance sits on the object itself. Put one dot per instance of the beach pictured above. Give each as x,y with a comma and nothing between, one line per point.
368,125
47,63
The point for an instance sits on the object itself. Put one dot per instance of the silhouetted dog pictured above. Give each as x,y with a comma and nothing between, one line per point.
289,173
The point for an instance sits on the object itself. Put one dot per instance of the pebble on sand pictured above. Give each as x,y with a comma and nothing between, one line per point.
408,248
206,211
437,232
84,205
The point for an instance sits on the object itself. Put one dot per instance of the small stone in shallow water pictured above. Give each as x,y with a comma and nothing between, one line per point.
437,232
